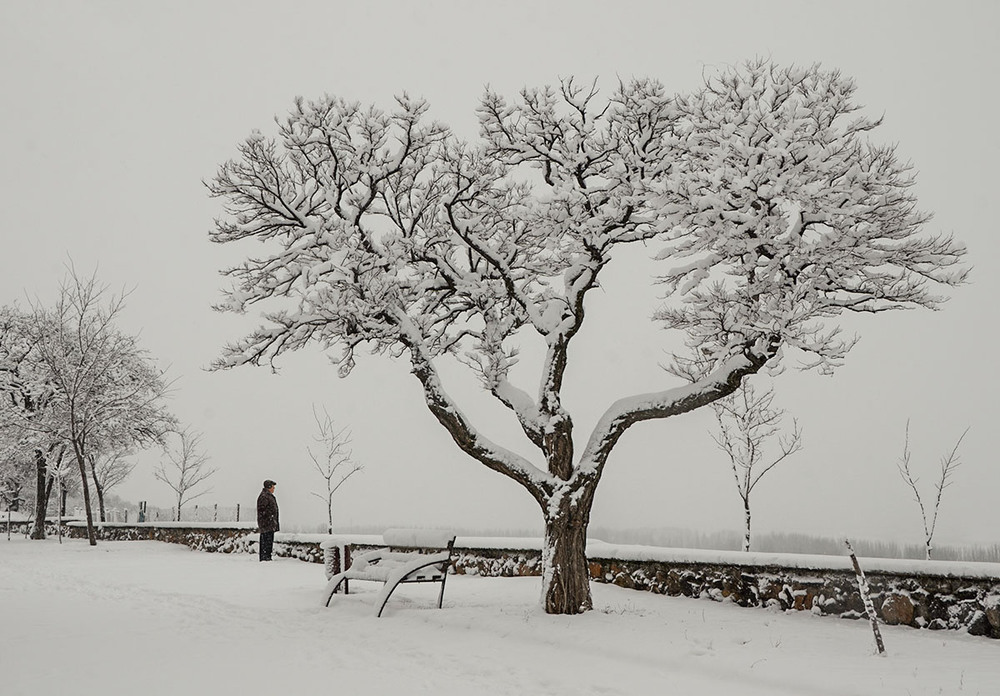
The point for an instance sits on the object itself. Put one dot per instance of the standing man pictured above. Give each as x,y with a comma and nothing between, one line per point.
267,519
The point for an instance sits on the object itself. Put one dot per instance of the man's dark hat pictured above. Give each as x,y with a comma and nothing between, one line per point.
268,483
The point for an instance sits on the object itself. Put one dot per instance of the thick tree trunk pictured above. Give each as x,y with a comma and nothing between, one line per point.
41,497
565,572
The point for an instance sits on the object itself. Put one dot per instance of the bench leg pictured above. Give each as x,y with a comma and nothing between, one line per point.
441,593
387,589
332,587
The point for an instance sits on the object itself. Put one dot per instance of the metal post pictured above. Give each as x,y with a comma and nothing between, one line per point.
62,506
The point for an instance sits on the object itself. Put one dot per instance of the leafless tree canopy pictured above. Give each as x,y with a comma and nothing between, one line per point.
184,467
770,208
929,512
748,424
332,458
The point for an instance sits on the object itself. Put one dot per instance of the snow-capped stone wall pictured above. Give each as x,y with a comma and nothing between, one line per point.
917,600
921,594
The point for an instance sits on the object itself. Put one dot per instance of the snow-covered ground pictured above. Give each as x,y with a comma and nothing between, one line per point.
153,618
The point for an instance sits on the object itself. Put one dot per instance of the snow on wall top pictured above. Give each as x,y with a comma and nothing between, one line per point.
432,538
248,525
905,566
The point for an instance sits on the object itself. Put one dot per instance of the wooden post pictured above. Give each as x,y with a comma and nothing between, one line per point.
237,512
62,506
866,598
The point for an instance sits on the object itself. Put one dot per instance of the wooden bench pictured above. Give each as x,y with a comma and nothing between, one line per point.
392,568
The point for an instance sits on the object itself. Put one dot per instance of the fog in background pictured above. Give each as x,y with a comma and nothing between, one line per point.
114,113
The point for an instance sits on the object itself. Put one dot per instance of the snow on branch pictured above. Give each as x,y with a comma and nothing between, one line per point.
382,231
789,215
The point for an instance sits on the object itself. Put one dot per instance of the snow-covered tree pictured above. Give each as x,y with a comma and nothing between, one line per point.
15,475
749,424
333,459
185,468
101,388
949,462
384,231
25,407
16,466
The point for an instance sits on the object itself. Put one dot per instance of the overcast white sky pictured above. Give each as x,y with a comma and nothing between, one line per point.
113,113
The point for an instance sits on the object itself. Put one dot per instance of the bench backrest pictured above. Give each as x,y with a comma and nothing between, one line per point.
419,538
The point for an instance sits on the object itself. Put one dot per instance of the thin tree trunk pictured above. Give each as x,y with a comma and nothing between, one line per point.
91,534
565,572
329,514
746,512
41,496
100,491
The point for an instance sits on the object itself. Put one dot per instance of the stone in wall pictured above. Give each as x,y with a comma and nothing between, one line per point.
897,608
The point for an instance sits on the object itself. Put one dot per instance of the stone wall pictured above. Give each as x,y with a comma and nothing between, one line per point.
23,528
920,601
941,600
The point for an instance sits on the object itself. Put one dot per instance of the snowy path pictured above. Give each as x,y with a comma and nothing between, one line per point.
151,618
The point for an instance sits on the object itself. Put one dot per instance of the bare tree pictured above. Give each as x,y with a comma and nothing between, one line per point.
949,463
333,460
100,386
761,189
748,422
186,467
109,466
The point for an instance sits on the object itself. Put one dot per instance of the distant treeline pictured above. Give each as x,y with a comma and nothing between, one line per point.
791,542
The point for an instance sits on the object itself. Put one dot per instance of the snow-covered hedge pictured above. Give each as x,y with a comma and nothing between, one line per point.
922,594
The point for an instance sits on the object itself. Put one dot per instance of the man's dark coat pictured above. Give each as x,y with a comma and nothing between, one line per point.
267,512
